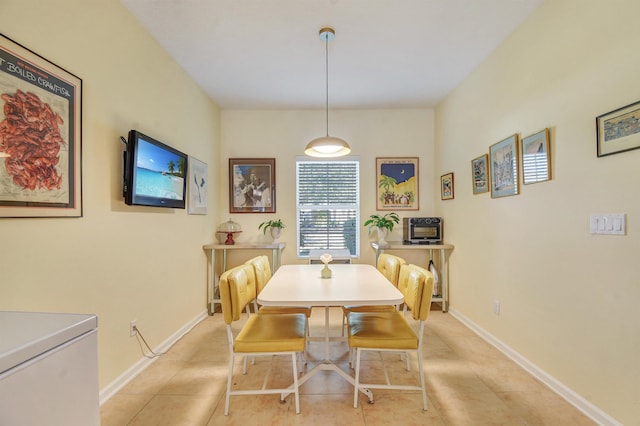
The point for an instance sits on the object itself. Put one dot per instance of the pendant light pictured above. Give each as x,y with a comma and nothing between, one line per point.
327,146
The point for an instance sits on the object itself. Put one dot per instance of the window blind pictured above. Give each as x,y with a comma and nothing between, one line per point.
328,205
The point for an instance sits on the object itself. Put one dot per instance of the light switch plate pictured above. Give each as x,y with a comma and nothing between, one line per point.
608,224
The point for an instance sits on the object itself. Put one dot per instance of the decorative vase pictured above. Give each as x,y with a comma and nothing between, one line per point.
382,234
275,234
326,272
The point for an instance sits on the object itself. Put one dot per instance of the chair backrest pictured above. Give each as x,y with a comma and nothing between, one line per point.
262,270
389,266
416,285
237,289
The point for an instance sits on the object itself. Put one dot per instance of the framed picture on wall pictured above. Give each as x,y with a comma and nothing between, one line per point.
504,167
397,183
252,185
198,186
446,186
40,136
480,174
619,130
536,164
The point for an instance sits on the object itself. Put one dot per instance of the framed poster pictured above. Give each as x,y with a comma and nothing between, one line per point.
252,185
446,186
504,167
40,136
480,174
536,164
197,181
397,183
619,130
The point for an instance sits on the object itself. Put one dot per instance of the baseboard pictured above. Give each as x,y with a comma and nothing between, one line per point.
590,410
113,387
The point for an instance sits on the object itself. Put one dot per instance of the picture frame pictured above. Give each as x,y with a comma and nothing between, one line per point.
503,157
40,173
480,178
619,130
198,180
252,185
535,158
446,186
397,183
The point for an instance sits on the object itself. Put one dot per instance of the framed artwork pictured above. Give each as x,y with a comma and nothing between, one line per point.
480,174
446,186
252,185
40,136
536,164
619,130
397,181
198,182
503,158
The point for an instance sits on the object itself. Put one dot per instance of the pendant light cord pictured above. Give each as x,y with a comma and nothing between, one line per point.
326,51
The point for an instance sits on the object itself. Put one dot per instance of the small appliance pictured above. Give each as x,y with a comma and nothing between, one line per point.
422,230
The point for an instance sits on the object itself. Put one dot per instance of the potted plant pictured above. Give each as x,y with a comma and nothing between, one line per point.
383,225
275,226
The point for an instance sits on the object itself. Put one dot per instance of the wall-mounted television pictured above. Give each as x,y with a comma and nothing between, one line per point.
154,173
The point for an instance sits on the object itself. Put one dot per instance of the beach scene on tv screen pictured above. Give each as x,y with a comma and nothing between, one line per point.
159,173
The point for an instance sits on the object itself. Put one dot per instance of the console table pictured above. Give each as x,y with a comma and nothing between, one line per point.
212,278
444,263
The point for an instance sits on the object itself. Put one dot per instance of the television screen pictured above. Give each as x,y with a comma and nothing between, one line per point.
154,173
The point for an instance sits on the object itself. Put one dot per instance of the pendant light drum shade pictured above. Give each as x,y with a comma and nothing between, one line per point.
327,146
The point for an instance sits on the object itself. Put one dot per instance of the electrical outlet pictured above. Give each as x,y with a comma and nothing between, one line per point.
496,307
133,328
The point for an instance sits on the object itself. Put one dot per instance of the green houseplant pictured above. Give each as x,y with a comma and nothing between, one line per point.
383,225
275,226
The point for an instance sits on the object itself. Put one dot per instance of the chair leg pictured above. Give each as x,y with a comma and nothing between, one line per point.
229,379
356,384
295,382
422,384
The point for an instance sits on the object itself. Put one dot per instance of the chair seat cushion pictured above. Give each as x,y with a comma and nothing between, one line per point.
383,330
285,310
272,333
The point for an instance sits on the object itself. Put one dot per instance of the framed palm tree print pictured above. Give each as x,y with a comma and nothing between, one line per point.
397,183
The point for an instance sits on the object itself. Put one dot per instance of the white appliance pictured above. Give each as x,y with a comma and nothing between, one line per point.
48,369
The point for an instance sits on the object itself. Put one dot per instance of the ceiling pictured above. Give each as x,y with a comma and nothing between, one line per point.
267,54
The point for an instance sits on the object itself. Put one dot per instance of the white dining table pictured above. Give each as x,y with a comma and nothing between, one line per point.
350,284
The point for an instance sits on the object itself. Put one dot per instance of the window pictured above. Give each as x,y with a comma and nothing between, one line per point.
328,205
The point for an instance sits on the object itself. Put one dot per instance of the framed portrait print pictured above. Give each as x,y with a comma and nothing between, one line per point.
397,183
446,186
198,182
480,174
536,164
252,185
40,136
503,157
619,130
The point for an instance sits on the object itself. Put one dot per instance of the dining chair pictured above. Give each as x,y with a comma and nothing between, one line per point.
391,331
263,274
282,334
389,266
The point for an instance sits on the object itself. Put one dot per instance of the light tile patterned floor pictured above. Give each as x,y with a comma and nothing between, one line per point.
468,383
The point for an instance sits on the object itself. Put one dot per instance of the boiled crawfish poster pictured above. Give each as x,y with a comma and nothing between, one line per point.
40,136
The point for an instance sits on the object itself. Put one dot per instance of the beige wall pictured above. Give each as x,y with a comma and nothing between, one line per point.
284,134
117,261
569,300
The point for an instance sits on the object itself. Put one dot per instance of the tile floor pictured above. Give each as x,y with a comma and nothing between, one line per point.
468,383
